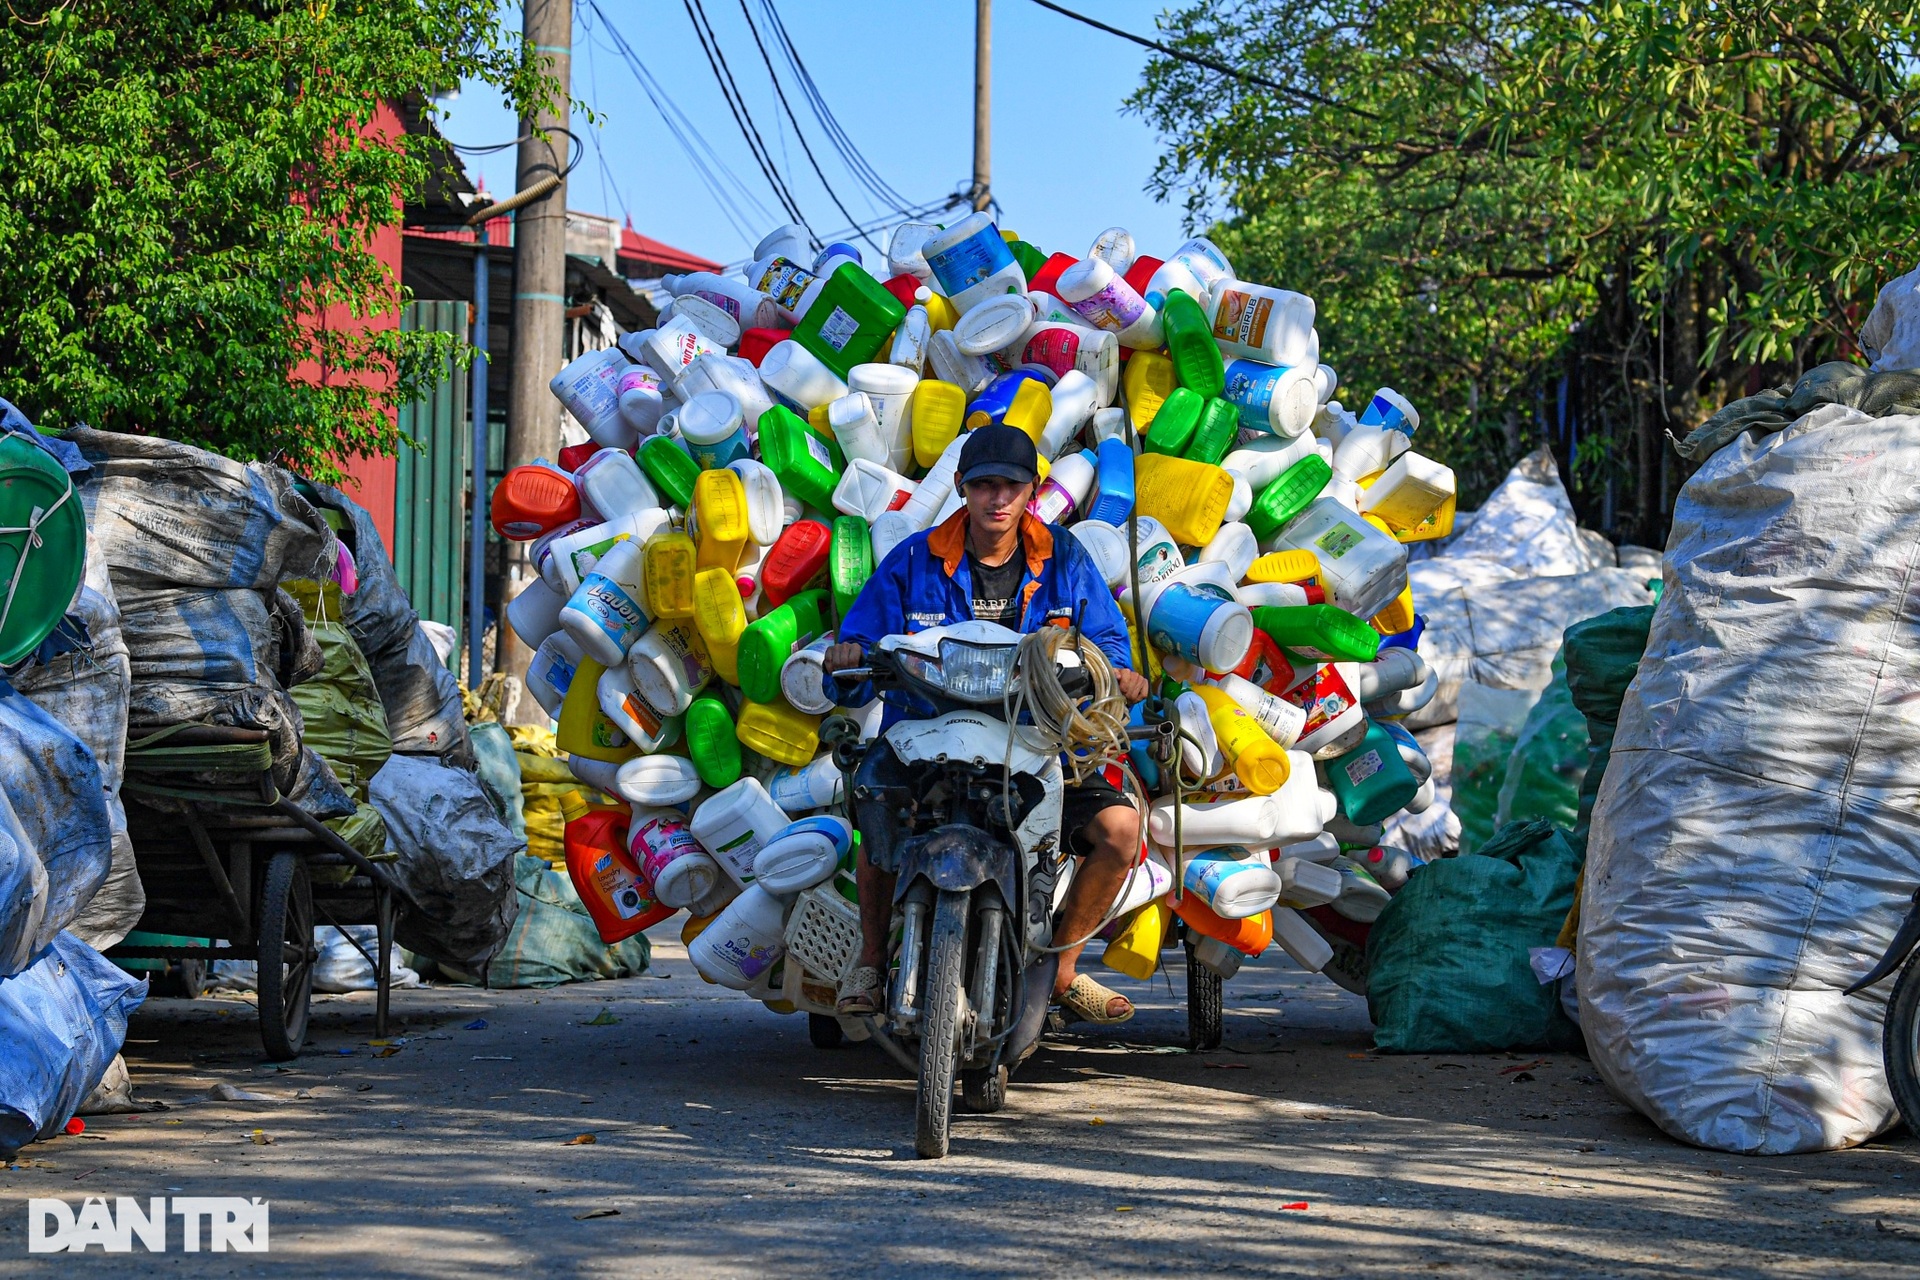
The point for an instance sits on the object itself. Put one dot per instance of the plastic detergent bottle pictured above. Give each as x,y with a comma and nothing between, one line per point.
1284,566
709,321
670,468
1191,614
1262,459
1147,380
642,399
803,678
850,563
807,852
1256,758
1218,428
849,321
909,347
611,888
1282,501
1250,936
720,523
1105,300
670,561
1367,448
1135,949
1064,489
1113,468
766,502
551,672
1174,425
658,780
1279,719
712,427
733,376
1300,940
1233,546
1362,898
532,500
1259,322
589,387
721,618
1333,712
993,325
867,489
1319,631
1018,399
799,377
939,410
857,428
534,614
792,287
755,343
669,349
905,250
806,463
1363,568
1108,547
1391,867
743,942
669,665
936,486
1063,348
1275,398
1389,673
1371,781
607,613
1234,882
814,785
584,729
647,725
669,858
1108,424
1073,398
890,390
778,732
1391,410
796,561
748,306
1202,757
1409,492
767,643
612,481
1196,356
1306,884
1269,668
734,824
1195,268
971,263
711,742
950,364
571,557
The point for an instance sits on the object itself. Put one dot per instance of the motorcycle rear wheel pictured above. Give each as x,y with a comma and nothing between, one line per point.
1205,997
823,1030
1901,1044
983,1090
939,1024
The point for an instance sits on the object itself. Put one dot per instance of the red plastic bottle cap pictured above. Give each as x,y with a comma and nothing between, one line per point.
76,1125
755,343
1376,854
903,287
1142,271
575,456
746,585
1315,594
1047,278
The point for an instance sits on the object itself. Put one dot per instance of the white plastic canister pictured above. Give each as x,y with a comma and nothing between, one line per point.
735,824
743,942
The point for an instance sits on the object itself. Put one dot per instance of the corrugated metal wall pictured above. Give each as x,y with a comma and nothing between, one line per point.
430,482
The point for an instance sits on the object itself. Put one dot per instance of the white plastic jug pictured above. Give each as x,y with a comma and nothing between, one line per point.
713,428
571,557
867,489
710,321
1241,502
1108,547
743,942
1202,757
1390,867
680,871
607,612
1259,322
550,673
792,287
1115,247
1324,847
1300,940
890,529
737,377
1278,595
614,484
589,387
857,429
994,325
670,665
1307,883
1103,298
659,780
1065,489
669,349
534,614
800,788
935,487
1263,459
806,853
1281,719
972,263
1233,880
643,398
799,377
1236,547
1145,881
906,254
747,305
803,679
910,340
1362,898
734,824
1194,268
1367,448
1363,568
890,390
766,500
601,775
951,364
1074,397
649,727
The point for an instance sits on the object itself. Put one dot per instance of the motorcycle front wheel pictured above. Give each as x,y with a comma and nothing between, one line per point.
939,1024
1901,1044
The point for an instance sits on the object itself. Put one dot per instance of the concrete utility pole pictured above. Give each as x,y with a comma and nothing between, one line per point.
982,102
539,301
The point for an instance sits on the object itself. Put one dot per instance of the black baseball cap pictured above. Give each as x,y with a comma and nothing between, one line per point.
1001,451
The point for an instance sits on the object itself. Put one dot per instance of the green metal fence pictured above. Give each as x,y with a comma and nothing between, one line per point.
430,482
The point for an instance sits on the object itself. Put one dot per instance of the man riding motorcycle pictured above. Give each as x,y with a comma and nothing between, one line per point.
994,561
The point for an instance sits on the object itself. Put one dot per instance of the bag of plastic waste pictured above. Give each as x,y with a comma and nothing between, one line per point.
62,1019
56,837
456,858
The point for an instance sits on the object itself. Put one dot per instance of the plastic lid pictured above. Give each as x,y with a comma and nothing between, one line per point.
36,494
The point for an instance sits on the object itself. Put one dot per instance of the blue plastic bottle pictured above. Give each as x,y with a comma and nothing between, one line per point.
1114,464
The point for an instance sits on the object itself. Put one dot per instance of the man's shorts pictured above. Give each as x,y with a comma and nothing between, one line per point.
1081,804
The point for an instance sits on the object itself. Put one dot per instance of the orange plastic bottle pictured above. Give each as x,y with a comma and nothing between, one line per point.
530,500
1251,936
604,874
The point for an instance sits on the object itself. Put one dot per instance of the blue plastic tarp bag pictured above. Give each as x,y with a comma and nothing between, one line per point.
53,811
62,1020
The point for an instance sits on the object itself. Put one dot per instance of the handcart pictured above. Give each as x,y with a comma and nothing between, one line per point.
224,856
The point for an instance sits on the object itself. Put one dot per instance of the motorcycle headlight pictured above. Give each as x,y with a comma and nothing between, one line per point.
964,672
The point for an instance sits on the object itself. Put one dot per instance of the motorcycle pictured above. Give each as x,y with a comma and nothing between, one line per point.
1900,1040
964,808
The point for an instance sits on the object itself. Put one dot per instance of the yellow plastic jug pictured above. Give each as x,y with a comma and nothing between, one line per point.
939,409
1297,565
1135,950
1260,762
941,313
1398,616
720,519
721,618
671,561
1190,498
1148,382
584,729
817,419
778,732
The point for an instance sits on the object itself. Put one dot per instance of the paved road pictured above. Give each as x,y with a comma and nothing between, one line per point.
727,1146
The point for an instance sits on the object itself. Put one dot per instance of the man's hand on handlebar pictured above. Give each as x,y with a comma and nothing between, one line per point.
842,657
1133,685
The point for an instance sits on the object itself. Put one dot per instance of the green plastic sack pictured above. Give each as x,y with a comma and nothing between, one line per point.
1602,654
1483,741
499,770
1447,960
1549,759
554,939
344,720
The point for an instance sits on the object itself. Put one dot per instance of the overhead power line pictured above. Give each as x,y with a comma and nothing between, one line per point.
849,153
737,104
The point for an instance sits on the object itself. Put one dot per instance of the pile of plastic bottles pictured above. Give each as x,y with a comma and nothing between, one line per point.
756,455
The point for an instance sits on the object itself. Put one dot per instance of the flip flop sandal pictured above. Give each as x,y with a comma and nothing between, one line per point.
1088,1001
859,994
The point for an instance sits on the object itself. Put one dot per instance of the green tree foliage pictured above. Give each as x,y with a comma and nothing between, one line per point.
183,181
1673,201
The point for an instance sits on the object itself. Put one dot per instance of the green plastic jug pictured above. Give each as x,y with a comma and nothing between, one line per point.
851,563
850,320
807,464
1287,495
767,643
1218,430
711,743
671,468
1324,632
1197,361
1371,782
1174,426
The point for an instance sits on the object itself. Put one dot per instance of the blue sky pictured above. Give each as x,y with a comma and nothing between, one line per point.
898,75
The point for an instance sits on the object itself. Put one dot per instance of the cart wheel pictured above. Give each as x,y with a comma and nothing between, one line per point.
181,979
824,1030
286,956
1204,997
